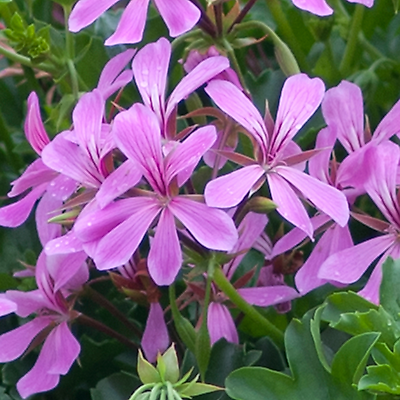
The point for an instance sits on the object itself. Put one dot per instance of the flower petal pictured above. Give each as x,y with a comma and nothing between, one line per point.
326,198
268,295
155,336
165,256
233,102
213,228
229,190
220,324
300,98
180,15
131,25
317,7
348,265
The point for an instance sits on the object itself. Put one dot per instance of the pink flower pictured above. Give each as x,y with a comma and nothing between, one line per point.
60,348
321,7
276,155
179,15
347,266
114,232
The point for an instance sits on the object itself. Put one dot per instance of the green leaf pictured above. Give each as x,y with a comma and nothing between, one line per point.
381,378
349,362
389,289
171,362
308,379
118,386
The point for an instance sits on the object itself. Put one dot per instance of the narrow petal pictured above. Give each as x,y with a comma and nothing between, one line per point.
188,154
229,190
69,159
335,239
59,351
131,26
88,117
220,324
33,127
68,243
233,102
17,213
348,265
165,256
200,75
388,126
34,175
367,3
300,98
289,205
213,228
317,7
268,295
179,15
87,11
15,342
7,306
346,123
326,198
137,133
117,247
296,236
150,69
155,336
112,77
126,176
27,302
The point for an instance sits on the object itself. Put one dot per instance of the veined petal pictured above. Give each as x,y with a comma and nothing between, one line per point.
112,78
131,26
268,295
347,123
59,351
332,241
213,228
348,265
87,11
300,98
15,342
188,154
98,223
381,163
233,102
229,190
289,205
317,7
126,176
16,214
7,306
27,302
69,159
150,69
33,127
220,324
88,117
155,336
34,175
326,198
296,235
388,126
117,247
179,15
165,256
68,243
137,134
201,74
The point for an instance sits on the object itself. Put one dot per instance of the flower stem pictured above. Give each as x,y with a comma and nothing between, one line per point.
105,303
348,57
88,321
223,283
287,32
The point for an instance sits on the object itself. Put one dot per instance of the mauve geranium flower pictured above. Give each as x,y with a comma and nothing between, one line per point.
179,15
277,157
